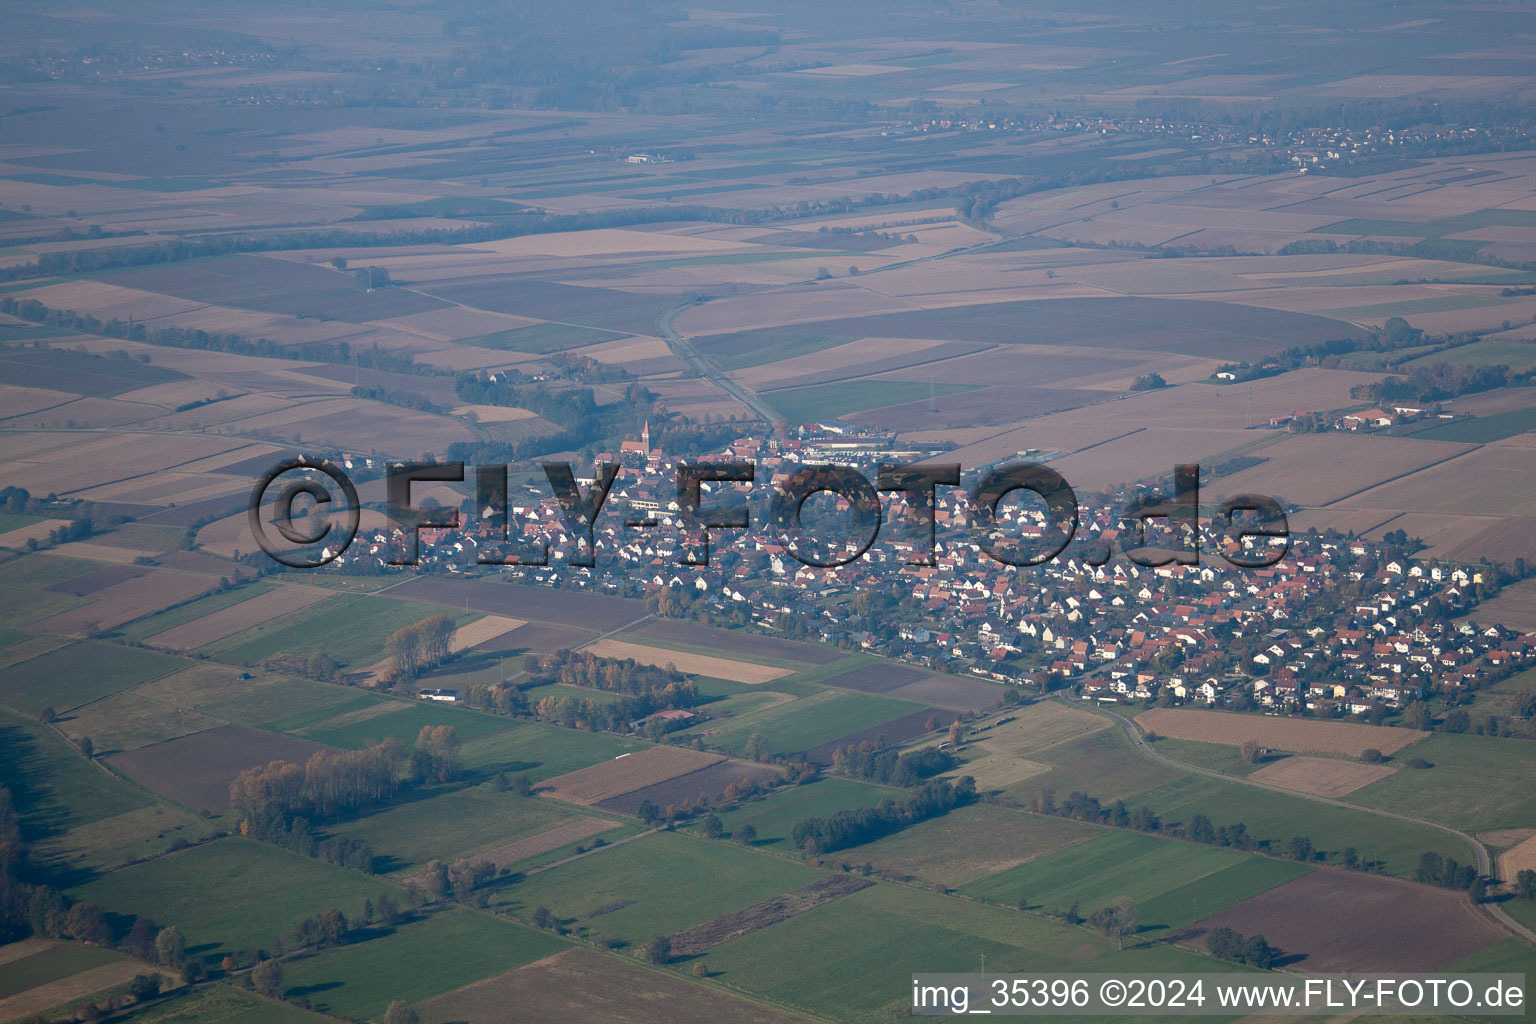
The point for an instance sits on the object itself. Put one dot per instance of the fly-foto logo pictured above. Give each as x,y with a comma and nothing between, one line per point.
310,518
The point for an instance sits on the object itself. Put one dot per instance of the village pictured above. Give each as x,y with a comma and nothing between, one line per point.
1337,627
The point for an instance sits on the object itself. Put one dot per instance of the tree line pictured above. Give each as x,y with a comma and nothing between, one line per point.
374,357
815,836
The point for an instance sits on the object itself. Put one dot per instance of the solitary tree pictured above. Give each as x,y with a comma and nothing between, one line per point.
1251,751
745,835
658,950
87,923
267,977
400,1013
1116,921
170,947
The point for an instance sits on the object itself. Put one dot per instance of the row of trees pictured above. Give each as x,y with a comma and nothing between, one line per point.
1200,828
1227,944
214,341
420,646
866,824
1437,382
331,781
1448,873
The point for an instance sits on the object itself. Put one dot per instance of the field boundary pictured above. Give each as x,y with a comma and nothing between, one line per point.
1479,851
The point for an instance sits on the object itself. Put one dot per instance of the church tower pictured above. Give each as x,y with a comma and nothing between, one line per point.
645,437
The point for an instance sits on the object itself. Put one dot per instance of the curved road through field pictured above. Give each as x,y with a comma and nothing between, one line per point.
1484,864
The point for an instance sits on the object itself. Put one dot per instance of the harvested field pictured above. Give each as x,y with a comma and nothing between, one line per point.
493,413
196,770
130,599
96,552
1320,776
897,731
1506,837
1514,606
738,641
573,831
1321,469
1518,858
683,661
542,637
229,621
709,782
1301,735
25,1005
534,603
587,986
99,579
1491,480
38,531
627,773
1337,921
953,693
704,937
482,630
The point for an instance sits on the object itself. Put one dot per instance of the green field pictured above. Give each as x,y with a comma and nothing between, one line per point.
1517,355
405,724
808,722
227,1005
234,894
25,597
970,843
1477,783
542,751
54,787
1171,883
1217,757
1102,764
320,714
779,345
541,338
350,629
658,885
413,962
282,702
452,825
852,960
1433,228
581,693
775,815
148,626
111,842
79,674
1276,817
1483,429
829,401
51,964
11,521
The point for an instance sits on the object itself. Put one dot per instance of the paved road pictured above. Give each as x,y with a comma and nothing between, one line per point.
1484,864
706,367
